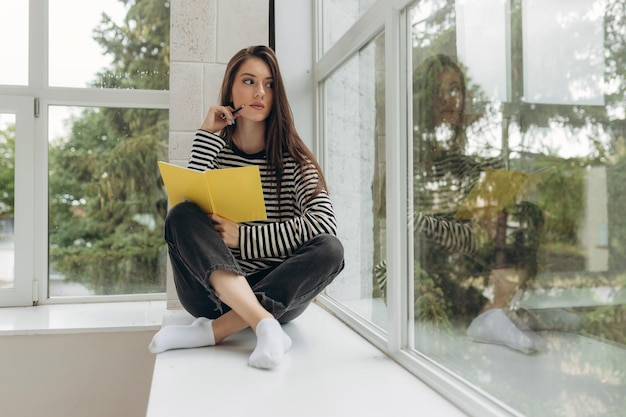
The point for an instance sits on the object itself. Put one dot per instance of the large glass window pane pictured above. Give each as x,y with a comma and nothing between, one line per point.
14,42
338,16
7,200
518,192
108,46
106,201
570,68
355,158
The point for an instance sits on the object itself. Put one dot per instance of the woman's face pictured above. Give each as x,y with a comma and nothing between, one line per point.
253,87
448,102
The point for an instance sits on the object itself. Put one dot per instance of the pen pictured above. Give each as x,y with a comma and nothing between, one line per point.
223,116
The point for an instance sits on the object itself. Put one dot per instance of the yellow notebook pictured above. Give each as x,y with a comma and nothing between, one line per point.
497,190
233,193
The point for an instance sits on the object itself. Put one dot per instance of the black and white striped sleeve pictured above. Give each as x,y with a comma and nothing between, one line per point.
204,150
452,234
280,239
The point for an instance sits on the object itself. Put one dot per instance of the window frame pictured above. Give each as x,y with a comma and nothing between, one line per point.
365,29
23,289
391,17
43,96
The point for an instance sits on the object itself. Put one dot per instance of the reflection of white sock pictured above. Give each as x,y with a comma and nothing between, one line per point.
271,344
197,334
494,326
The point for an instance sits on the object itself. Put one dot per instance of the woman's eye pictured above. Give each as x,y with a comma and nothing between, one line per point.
269,85
249,82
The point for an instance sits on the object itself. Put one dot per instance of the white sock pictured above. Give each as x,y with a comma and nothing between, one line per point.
271,344
197,334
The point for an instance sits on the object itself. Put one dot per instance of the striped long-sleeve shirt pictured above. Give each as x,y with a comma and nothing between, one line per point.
440,190
292,219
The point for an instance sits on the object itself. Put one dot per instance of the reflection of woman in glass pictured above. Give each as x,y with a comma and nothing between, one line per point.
441,90
452,254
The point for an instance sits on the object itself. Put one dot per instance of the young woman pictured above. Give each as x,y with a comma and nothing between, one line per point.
260,274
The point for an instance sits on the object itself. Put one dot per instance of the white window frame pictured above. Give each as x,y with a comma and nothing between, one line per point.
35,275
23,289
390,16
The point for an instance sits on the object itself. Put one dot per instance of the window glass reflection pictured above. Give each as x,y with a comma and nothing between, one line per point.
570,68
518,242
338,16
355,157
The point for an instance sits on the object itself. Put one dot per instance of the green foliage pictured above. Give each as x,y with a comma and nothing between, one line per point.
430,301
7,171
606,322
107,202
616,178
563,215
141,47
129,260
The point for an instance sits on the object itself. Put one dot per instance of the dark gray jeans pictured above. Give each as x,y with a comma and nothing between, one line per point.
285,290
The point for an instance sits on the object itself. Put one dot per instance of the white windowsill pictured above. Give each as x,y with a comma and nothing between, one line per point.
329,371
84,317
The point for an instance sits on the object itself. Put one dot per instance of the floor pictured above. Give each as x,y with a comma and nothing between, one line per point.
329,371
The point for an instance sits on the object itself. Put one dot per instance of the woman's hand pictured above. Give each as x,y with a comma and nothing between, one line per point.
217,118
228,230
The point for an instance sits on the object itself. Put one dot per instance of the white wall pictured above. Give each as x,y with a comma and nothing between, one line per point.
76,375
294,49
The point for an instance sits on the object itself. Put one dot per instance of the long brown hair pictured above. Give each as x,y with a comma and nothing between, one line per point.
426,91
280,133
426,84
